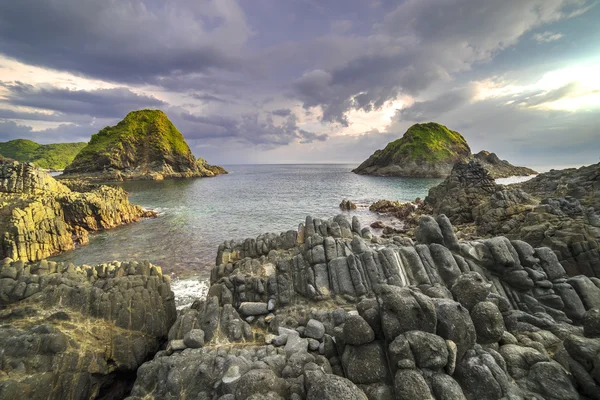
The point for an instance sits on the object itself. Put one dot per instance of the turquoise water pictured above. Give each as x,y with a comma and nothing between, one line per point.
196,215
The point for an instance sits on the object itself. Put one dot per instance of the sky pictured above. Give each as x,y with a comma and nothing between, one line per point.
309,81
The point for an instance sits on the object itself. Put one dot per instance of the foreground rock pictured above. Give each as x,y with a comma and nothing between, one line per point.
430,151
41,217
328,311
79,332
144,145
557,209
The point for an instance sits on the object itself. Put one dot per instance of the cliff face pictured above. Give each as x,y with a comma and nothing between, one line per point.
79,332
557,209
430,151
48,156
144,145
40,217
329,312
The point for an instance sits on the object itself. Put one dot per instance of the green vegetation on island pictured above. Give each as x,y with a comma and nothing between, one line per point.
54,156
144,145
430,150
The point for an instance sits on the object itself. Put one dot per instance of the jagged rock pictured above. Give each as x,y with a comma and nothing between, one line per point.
470,289
82,330
591,323
450,320
42,217
194,339
331,387
357,331
409,384
488,322
348,205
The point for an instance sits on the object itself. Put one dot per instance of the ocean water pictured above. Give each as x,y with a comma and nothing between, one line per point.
196,215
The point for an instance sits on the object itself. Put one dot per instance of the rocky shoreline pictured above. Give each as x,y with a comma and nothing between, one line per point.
41,217
330,311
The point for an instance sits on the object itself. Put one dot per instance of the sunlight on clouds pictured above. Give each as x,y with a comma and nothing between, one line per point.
569,89
361,121
11,70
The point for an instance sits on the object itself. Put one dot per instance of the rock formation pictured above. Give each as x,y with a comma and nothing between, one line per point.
144,145
557,209
430,151
40,217
329,311
79,332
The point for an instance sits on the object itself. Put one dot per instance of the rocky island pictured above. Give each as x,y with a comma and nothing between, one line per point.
54,157
430,151
144,145
41,217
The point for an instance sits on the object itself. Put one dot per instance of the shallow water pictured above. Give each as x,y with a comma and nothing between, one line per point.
196,215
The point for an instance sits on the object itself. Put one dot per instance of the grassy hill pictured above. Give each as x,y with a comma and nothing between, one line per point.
54,156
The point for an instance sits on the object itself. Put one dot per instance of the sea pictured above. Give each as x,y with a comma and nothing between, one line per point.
196,215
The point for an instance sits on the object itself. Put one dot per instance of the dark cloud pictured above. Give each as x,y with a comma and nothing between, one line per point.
282,112
101,103
420,43
208,98
10,130
423,111
253,129
130,41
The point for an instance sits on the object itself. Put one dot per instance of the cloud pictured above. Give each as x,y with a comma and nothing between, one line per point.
282,112
423,111
131,41
547,37
10,130
419,43
101,103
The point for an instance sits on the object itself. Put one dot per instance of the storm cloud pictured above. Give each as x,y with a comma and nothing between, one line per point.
306,81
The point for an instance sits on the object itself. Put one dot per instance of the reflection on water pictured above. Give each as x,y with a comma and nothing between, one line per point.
196,215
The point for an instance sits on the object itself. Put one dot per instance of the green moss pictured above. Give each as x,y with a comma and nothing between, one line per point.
427,142
141,137
49,156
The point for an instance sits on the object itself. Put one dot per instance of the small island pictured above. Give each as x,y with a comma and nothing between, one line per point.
53,157
144,145
430,151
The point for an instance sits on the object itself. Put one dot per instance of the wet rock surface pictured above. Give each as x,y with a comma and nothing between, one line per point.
353,317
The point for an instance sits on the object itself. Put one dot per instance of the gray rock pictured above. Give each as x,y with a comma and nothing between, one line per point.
357,331
549,262
314,329
366,363
429,231
280,340
330,387
450,238
260,382
176,345
454,323
295,344
591,323
429,350
488,321
588,292
404,309
551,381
470,289
194,339
409,384
313,344
271,304
446,388
253,308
